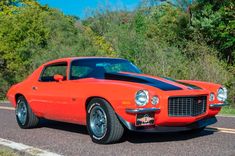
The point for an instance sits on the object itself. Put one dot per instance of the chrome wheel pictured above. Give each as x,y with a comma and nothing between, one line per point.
21,112
98,121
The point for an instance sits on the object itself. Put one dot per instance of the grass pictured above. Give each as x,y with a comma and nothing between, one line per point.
4,151
3,100
227,111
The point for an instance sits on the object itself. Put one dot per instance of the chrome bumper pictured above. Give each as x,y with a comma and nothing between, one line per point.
142,110
218,105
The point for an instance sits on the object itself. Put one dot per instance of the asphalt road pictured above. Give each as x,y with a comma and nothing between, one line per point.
73,140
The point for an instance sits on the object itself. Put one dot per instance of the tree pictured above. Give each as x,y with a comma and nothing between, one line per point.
216,21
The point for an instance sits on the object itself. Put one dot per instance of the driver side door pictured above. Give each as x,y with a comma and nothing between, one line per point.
52,95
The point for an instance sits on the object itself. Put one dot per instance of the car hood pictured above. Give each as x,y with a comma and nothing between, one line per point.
165,84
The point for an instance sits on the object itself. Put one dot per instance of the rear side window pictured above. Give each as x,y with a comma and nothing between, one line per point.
49,71
79,72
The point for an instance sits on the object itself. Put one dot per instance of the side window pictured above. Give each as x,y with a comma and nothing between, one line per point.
114,68
79,72
51,70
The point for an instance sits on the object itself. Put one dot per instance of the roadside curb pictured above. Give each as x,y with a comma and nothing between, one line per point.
228,116
4,102
22,148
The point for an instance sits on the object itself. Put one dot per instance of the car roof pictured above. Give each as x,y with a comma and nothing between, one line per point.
77,58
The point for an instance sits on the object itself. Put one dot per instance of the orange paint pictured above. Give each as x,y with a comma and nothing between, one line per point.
66,100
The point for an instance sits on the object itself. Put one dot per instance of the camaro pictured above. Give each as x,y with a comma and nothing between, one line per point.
109,95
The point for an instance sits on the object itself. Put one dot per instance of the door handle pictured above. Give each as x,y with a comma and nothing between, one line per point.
34,88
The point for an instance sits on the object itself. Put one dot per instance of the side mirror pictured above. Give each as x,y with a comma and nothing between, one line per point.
58,77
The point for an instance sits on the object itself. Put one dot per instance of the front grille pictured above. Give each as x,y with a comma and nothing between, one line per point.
186,106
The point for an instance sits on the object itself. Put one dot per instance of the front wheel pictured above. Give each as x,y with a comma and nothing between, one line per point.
102,122
24,114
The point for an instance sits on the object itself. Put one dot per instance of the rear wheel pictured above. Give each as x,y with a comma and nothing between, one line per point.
102,122
24,114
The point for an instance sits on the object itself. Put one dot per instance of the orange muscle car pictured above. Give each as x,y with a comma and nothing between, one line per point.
110,94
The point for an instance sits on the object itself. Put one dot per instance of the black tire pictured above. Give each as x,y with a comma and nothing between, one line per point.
31,119
114,129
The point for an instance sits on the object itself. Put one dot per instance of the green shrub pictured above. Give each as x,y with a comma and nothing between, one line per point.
162,40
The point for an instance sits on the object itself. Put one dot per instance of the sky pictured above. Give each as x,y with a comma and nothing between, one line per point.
82,8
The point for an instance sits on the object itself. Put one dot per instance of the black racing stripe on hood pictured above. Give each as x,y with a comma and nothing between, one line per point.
190,86
143,80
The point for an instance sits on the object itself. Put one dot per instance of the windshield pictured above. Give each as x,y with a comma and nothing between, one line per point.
97,67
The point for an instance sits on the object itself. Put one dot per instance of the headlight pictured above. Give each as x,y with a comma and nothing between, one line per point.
142,97
222,94
212,97
155,100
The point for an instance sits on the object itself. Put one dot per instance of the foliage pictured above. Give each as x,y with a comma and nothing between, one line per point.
182,40
228,111
167,23
216,21
4,86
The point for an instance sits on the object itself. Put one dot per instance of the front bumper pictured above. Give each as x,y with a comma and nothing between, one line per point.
157,118
218,105
142,110
198,124
161,117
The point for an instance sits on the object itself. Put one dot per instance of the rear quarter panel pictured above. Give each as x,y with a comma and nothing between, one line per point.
23,88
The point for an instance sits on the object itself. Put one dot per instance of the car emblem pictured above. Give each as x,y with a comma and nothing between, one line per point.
145,119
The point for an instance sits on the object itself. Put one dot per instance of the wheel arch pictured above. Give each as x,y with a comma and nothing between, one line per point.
92,97
17,95
123,121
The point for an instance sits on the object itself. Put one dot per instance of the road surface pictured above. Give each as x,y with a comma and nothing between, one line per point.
73,140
